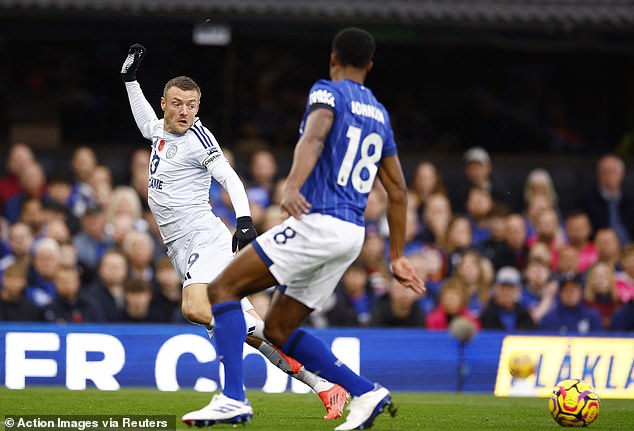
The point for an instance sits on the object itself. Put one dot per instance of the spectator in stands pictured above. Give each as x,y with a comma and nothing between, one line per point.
41,274
548,232
32,186
540,289
139,249
19,157
83,163
57,230
92,241
623,319
599,292
102,186
71,304
373,258
436,218
425,182
537,205
539,182
355,298
58,195
167,297
607,203
32,213
457,240
478,172
375,215
262,173
476,273
479,204
398,308
140,186
570,315
124,201
108,289
139,162
14,305
504,310
430,266
608,247
495,248
578,233
453,302
567,260
138,298
20,242
515,251
624,277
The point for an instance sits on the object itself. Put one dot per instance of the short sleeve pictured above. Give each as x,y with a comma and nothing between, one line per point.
322,95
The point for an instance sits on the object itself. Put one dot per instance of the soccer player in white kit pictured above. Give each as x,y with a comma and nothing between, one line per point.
185,156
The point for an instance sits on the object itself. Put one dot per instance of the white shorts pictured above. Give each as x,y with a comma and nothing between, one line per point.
201,255
309,256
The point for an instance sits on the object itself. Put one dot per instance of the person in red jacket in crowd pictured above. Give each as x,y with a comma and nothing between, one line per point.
453,303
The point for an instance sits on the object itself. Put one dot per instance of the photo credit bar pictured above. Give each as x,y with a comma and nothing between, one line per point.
90,422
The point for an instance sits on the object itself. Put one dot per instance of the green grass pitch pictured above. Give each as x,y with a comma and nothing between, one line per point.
291,412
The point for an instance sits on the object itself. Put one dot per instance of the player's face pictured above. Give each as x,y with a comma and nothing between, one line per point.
180,108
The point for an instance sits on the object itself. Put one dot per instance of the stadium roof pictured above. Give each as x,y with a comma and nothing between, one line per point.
611,14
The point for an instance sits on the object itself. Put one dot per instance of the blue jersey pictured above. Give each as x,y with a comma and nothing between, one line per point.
360,137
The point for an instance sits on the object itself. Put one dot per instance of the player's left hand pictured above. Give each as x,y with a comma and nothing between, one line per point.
244,234
405,274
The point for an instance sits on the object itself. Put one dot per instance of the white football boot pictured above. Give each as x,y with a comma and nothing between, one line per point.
221,409
366,407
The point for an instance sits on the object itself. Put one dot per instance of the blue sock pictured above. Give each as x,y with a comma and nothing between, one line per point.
230,335
318,358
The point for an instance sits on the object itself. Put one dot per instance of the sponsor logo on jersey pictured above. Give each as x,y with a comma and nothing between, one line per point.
369,111
210,158
155,183
321,96
171,151
161,145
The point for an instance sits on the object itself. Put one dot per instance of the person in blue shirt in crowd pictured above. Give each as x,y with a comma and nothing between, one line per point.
570,315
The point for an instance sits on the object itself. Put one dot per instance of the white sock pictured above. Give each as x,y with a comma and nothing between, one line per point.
255,327
318,384
211,327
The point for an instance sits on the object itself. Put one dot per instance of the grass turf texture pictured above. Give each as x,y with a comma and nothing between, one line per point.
287,411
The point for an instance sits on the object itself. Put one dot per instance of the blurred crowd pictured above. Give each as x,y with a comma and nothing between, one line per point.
76,247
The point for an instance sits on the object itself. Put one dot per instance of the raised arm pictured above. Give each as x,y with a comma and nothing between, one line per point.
307,152
141,109
391,175
231,182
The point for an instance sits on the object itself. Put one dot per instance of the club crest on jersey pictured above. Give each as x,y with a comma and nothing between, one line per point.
161,145
171,151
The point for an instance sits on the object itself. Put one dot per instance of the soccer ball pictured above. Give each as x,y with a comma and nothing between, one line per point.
574,403
521,365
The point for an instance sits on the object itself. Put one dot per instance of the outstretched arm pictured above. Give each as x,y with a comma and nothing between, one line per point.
391,175
231,182
141,109
307,152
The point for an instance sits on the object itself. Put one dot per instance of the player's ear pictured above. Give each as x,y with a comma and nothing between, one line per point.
369,66
163,103
333,59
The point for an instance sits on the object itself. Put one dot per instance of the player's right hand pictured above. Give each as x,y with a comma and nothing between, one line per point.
132,62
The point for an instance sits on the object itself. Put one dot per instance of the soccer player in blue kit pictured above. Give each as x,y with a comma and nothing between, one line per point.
346,140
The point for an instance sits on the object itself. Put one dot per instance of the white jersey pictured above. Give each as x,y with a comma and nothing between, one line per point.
181,167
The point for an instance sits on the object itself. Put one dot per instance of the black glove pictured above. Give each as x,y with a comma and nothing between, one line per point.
132,62
244,234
